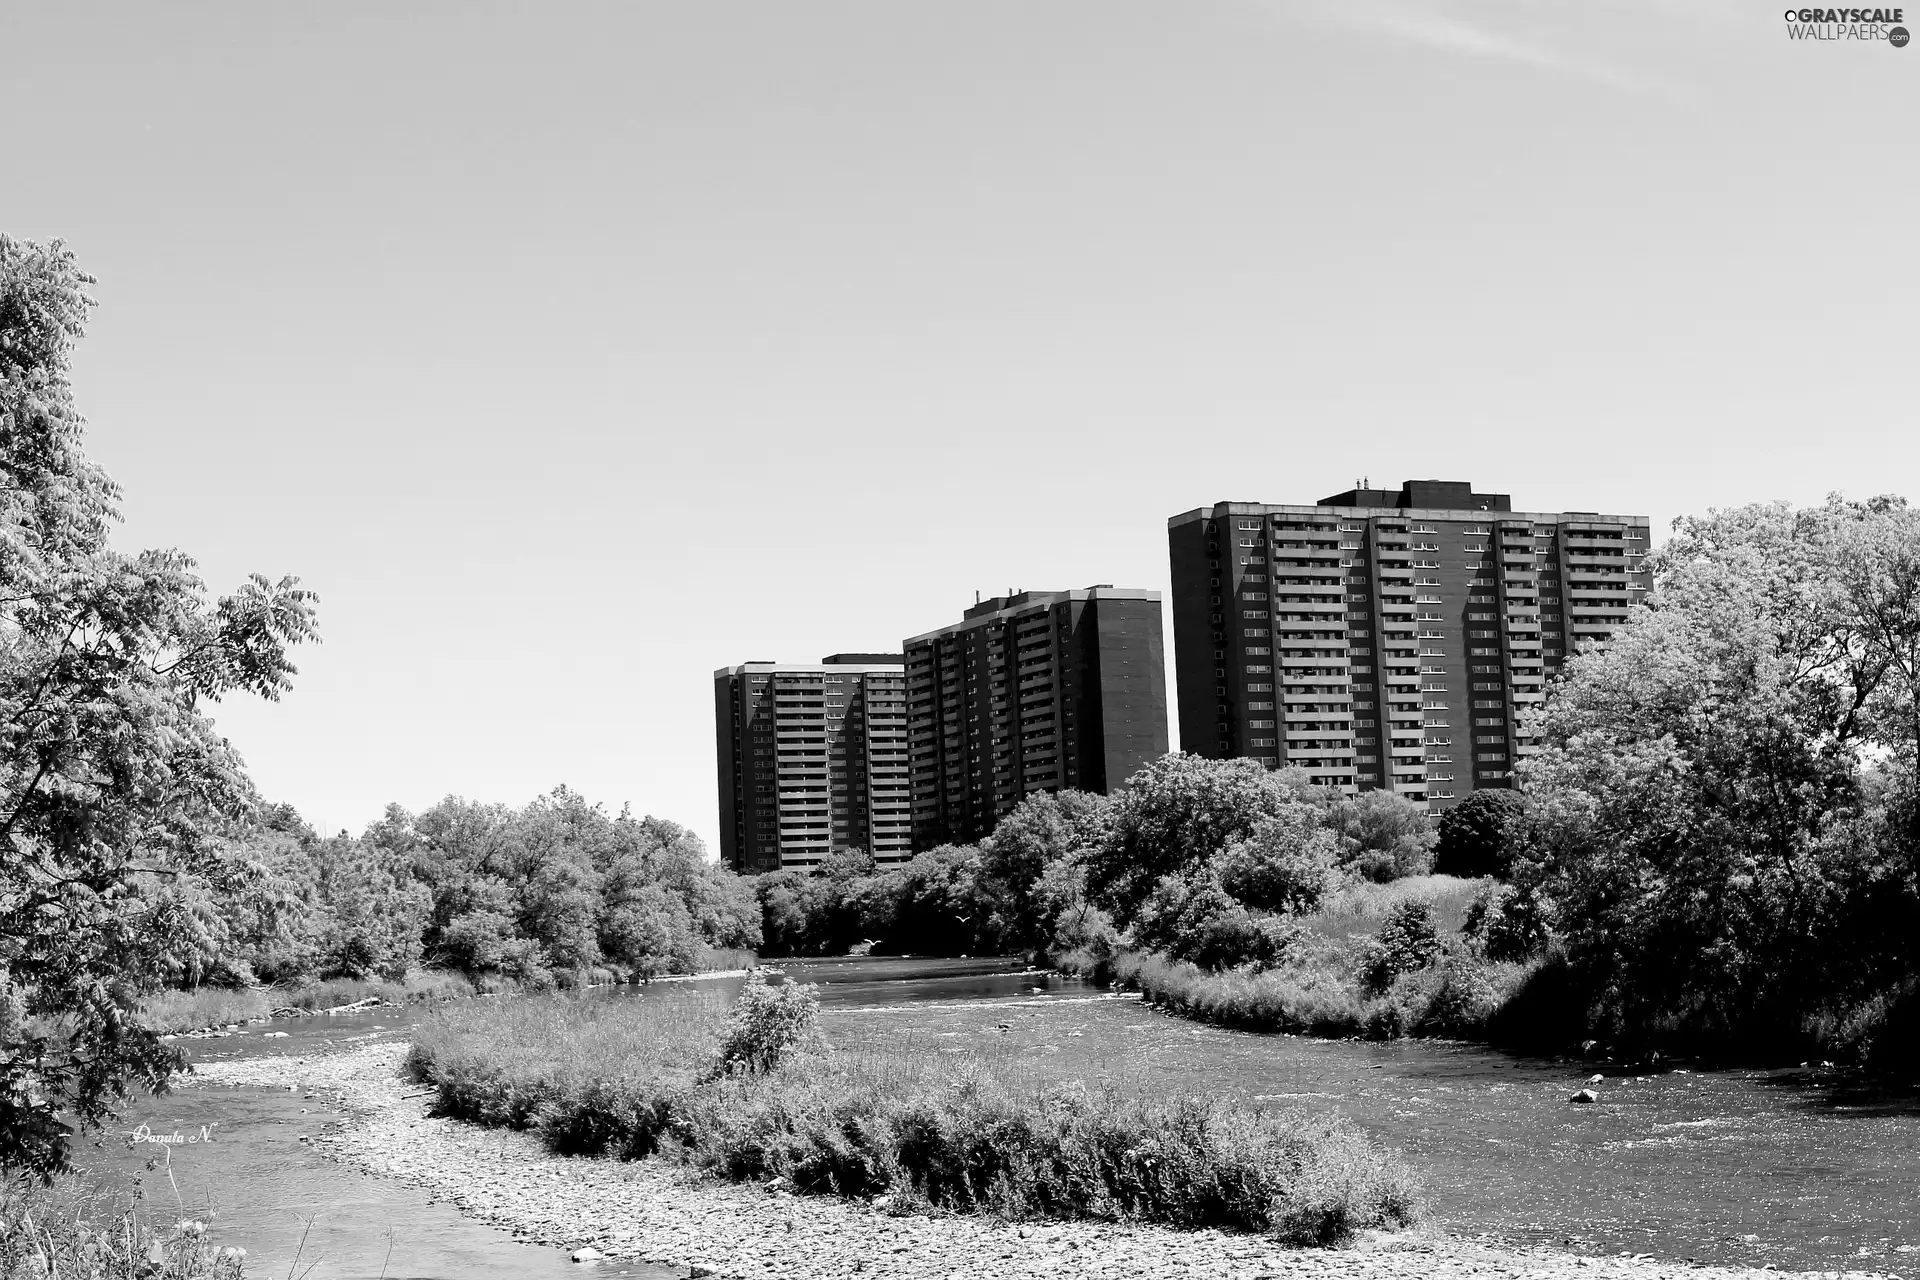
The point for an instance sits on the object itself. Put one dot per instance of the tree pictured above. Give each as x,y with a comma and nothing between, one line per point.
1287,863
1020,864
1715,824
1476,835
1388,835
115,788
1177,813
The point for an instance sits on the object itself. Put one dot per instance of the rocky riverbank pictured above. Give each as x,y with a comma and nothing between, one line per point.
652,1211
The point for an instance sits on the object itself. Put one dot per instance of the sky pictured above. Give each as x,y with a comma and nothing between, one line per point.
572,351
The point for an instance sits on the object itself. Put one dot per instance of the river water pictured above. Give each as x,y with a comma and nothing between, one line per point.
1783,1167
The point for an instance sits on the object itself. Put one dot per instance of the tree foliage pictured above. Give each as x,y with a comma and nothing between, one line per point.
115,788
1475,837
1203,860
1720,825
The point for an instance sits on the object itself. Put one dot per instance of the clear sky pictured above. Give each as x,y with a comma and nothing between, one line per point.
571,351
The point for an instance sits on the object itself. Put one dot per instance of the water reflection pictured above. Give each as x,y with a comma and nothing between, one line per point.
296,1212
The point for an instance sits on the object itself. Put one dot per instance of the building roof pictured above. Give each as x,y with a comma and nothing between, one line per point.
990,610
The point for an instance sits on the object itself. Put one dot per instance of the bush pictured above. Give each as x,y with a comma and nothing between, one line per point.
1505,925
768,1023
1289,863
1476,836
1389,836
979,1143
1407,942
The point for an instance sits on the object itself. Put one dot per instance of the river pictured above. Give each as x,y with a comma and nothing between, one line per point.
1781,1167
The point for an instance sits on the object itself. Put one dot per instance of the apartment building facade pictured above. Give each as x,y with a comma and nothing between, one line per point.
1032,691
1383,638
812,758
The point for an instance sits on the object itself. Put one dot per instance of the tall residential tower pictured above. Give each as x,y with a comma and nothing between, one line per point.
1036,691
1383,639
812,758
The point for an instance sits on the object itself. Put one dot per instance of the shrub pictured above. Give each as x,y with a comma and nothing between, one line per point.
1476,836
1407,942
1390,836
768,1023
1289,863
1505,925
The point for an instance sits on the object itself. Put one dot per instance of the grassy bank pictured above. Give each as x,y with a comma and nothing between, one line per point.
967,1130
1459,997
177,1012
69,1231
1333,982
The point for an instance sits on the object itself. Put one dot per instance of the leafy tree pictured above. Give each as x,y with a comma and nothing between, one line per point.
1287,863
1176,814
1192,917
651,931
369,911
1476,836
561,886
115,788
1702,827
1021,865
1388,836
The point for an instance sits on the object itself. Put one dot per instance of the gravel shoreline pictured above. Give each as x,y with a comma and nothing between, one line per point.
654,1212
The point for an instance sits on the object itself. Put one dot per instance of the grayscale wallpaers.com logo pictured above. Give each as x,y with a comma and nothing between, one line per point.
1848,24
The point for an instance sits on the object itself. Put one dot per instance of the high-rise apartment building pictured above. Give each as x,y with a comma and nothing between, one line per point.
813,758
1036,691
1383,639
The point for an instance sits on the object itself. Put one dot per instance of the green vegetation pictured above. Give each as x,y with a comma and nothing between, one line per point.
558,893
64,1229
1207,860
1722,831
757,1095
116,791
1375,960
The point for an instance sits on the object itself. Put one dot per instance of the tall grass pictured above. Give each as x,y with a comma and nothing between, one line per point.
173,1012
75,1233
419,986
969,1132
724,959
178,1012
1358,910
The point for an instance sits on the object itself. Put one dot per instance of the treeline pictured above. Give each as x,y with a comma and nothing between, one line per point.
1198,859
556,892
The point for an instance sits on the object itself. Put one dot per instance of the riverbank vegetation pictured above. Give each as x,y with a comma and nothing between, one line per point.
757,1093
1712,846
65,1229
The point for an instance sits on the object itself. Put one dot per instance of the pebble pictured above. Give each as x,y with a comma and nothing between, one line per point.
658,1212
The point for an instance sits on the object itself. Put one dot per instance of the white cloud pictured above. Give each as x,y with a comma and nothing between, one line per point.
1438,30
